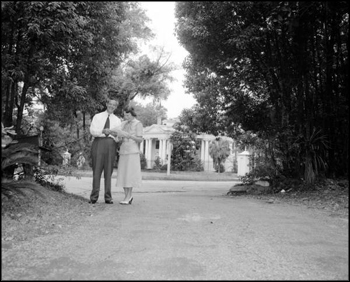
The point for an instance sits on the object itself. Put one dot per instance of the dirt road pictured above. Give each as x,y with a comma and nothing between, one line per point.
187,230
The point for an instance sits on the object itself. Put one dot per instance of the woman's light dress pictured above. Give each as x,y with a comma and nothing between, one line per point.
129,166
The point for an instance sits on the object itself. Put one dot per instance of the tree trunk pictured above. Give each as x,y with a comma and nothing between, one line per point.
9,103
309,174
7,116
21,105
84,127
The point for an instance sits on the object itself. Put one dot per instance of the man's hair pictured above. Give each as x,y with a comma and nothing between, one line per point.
113,99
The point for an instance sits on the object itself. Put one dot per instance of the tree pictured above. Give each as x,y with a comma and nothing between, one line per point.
149,113
184,155
64,53
272,70
142,77
196,119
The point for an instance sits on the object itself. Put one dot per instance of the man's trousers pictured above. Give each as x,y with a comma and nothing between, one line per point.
103,153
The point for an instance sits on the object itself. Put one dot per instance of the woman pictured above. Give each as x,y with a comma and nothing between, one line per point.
129,167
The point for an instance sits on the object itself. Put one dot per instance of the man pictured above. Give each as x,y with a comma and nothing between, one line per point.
103,150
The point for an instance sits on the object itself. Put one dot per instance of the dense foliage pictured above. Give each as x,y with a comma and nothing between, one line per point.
277,69
61,52
142,77
148,113
184,155
69,57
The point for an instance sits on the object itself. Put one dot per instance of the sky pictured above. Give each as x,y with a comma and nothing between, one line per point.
162,16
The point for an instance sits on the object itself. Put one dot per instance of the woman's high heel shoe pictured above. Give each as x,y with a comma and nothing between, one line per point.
123,202
127,202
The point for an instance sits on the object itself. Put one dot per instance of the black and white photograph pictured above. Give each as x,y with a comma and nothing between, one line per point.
186,140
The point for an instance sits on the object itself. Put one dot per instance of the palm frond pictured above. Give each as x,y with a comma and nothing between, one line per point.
19,147
20,158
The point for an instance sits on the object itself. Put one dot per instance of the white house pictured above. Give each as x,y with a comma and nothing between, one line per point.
156,144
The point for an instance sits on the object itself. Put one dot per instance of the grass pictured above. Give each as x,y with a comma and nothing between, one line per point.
41,211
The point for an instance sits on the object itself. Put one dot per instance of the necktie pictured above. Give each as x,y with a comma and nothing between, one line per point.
107,124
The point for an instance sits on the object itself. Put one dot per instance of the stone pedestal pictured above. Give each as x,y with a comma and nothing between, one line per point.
243,163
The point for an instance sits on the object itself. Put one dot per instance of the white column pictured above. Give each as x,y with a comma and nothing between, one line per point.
146,151
202,150
164,150
166,147
160,151
206,155
149,153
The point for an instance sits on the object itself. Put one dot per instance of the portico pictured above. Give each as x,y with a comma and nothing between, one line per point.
156,144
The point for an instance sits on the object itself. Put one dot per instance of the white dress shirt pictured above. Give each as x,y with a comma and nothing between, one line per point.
98,123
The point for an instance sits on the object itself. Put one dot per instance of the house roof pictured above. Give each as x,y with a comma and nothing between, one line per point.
158,129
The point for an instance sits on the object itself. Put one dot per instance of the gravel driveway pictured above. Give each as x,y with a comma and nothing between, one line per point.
187,230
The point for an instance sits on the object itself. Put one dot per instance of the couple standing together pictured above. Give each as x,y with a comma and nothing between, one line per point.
107,129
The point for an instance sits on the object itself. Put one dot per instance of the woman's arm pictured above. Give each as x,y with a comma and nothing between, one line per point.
139,132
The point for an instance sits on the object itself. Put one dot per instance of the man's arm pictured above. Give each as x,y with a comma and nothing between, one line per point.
95,127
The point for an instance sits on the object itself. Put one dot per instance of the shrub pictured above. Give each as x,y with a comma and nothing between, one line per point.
184,153
219,150
196,164
157,163
222,167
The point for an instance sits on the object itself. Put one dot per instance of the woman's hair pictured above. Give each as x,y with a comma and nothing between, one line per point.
130,110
